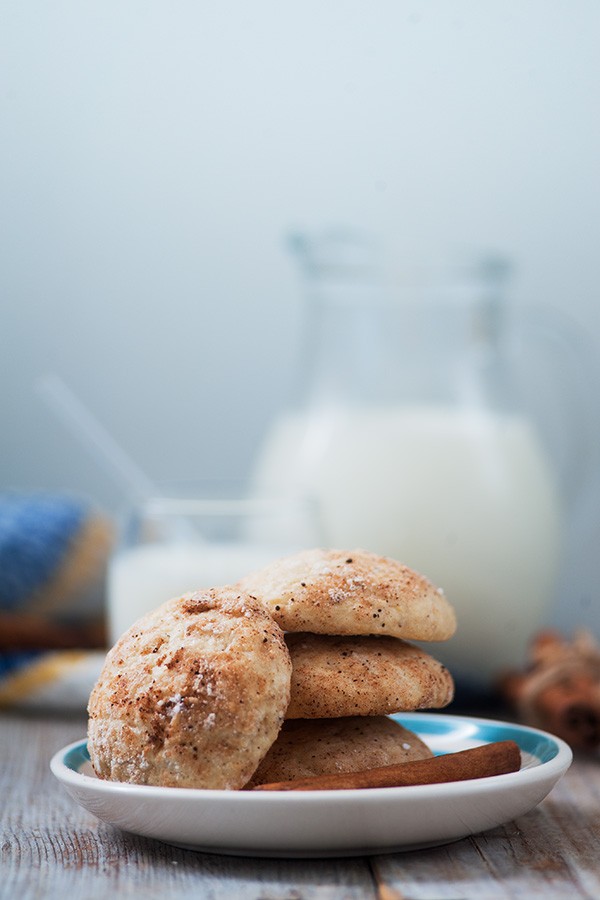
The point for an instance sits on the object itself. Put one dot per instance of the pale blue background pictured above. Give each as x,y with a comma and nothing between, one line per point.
154,155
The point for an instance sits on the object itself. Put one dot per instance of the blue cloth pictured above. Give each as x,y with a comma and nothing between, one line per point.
15,661
53,554
35,535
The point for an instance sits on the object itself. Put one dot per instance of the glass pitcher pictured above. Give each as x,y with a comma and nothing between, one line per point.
422,436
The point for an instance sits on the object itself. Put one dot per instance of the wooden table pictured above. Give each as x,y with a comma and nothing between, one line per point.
50,848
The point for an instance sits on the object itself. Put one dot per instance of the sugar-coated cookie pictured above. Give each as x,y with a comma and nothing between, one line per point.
352,592
362,676
308,747
193,695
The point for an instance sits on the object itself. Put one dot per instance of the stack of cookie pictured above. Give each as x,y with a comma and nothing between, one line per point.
346,618
289,674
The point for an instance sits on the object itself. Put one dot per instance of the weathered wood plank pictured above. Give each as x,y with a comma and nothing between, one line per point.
553,852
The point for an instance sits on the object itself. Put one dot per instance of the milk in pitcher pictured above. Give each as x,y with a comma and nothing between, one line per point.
466,496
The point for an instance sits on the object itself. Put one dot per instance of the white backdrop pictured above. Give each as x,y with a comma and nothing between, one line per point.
154,156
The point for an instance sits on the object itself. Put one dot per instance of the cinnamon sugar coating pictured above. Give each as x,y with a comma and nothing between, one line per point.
352,592
193,695
308,747
362,676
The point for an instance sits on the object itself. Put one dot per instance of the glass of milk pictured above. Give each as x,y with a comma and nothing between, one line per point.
201,536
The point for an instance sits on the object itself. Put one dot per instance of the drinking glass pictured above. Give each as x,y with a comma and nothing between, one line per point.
200,536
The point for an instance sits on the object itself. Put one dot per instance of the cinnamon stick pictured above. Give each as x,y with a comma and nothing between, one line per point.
559,691
497,758
567,707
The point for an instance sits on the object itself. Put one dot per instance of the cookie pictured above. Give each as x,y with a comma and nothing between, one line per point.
355,592
308,747
193,695
362,676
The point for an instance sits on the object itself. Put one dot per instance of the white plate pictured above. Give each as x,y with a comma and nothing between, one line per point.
331,823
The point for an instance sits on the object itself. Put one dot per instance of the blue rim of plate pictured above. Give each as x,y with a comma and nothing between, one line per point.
541,745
